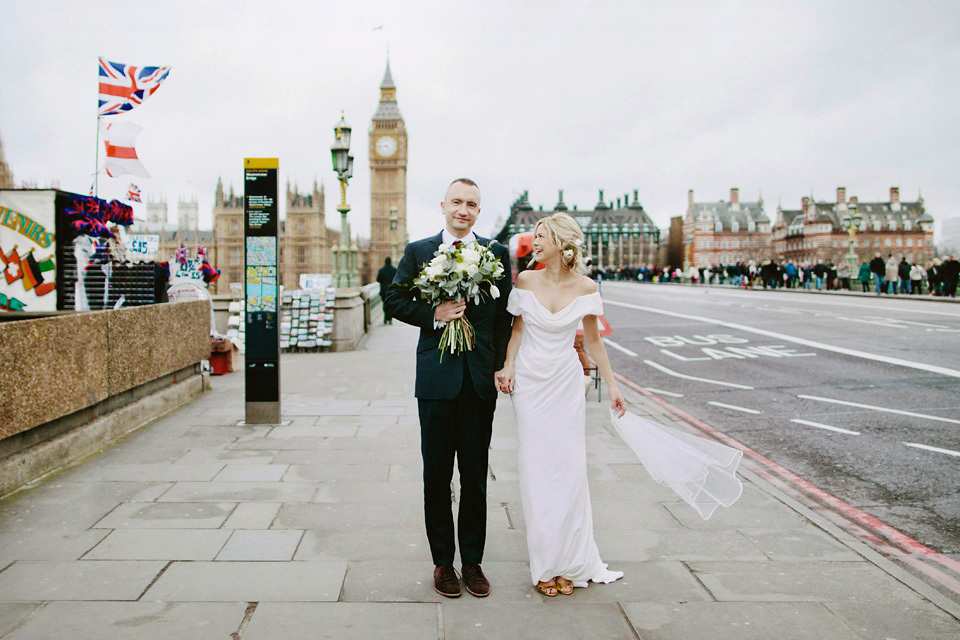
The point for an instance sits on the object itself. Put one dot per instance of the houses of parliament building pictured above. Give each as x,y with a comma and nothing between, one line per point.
304,237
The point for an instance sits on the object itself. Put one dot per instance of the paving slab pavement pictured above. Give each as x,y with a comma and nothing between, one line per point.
197,526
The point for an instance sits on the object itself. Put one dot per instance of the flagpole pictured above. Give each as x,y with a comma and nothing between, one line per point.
96,163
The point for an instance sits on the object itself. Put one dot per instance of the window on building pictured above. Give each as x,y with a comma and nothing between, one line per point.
876,225
302,226
887,242
234,227
301,255
899,241
909,242
235,257
907,225
919,242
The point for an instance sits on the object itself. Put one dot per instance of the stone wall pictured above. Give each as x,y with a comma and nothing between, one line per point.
55,366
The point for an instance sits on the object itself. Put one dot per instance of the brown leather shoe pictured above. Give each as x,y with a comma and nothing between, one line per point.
477,583
446,582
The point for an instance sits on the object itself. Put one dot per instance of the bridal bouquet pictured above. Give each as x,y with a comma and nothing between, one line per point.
456,273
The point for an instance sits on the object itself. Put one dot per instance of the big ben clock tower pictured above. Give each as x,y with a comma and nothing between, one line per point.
388,177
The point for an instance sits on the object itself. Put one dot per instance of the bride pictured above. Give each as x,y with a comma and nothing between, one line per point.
543,373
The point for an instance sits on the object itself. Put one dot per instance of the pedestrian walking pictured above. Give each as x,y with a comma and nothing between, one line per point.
916,278
820,273
951,273
843,273
903,272
891,273
385,279
864,276
879,270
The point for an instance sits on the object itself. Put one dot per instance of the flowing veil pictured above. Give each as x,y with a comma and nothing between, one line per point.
701,471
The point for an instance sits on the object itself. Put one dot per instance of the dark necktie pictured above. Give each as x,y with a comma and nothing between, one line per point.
457,243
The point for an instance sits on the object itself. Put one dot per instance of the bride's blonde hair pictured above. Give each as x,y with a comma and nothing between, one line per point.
566,234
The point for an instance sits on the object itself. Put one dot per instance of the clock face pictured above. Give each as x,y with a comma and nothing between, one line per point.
386,146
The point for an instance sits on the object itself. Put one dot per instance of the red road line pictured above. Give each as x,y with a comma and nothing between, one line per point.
853,520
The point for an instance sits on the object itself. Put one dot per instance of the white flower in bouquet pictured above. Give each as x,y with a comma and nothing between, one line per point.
470,256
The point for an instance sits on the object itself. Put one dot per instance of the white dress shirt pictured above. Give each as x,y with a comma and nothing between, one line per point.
449,238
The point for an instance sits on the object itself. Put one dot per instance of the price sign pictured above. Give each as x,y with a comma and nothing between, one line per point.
141,248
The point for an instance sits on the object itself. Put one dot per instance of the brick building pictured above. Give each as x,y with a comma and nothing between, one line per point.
303,237
726,232
815,231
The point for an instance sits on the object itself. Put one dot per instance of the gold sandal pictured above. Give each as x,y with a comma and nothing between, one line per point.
547,587
564,586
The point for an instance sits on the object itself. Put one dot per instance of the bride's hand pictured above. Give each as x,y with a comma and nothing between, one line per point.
617,404
504,379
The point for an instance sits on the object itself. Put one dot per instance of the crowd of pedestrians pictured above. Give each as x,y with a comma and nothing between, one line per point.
888,276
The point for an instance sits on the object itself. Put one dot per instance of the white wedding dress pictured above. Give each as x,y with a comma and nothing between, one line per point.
549,404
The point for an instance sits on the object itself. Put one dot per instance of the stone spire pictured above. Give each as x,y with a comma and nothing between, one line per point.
387,82
387,108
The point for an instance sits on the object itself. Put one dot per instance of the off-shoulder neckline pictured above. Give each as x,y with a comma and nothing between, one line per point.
556,313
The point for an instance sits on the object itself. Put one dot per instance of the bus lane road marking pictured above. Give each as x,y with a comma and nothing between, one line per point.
619,348
676,374
954,373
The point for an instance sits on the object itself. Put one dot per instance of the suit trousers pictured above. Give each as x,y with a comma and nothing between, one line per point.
458,428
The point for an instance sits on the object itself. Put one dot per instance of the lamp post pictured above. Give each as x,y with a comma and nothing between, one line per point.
651,235
393,234
344,256
850,223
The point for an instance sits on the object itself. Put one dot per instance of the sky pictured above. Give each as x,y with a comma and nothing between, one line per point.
780,98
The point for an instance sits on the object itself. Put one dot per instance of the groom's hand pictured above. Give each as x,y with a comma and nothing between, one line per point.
449,310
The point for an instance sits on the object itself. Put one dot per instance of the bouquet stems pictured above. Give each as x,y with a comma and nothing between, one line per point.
457,337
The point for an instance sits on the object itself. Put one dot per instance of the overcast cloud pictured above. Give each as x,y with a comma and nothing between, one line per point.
785,97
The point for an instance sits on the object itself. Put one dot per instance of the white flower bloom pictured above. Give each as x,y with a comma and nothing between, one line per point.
443,248
494,292
470,255
472,269
433,271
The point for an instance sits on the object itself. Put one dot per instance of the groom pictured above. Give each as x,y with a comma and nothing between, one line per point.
457,396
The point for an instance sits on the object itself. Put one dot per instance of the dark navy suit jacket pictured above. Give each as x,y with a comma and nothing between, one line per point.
438,380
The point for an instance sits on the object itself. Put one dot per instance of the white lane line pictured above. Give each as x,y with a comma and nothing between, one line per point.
954,373
831,303
927,447
661,392
918,324
884,409
878,323
660,367
619,348
820,425
733,406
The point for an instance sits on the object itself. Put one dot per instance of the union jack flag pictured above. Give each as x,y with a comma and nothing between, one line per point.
124,86
133,193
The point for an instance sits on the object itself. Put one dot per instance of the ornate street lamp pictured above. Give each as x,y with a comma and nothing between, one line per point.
344,256
850,223
393,234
